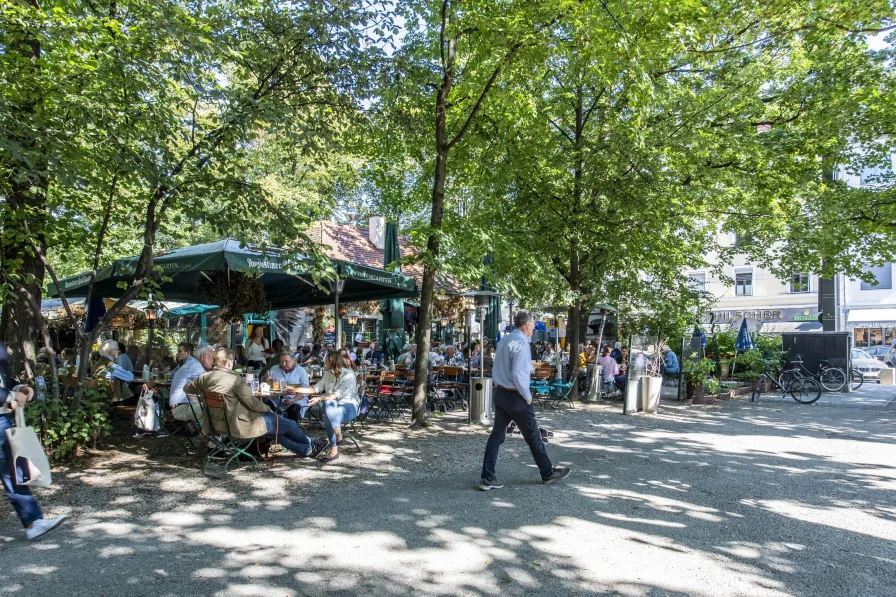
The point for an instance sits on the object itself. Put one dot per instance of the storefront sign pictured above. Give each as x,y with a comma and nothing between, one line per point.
784,314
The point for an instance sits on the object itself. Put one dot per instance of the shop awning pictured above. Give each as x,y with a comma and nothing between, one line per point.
779,327
871,318
287,282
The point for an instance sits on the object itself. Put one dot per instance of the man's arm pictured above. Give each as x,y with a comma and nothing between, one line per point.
520,368
120,373
195,386
244,394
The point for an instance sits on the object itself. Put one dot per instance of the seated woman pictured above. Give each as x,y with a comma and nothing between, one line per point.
339,401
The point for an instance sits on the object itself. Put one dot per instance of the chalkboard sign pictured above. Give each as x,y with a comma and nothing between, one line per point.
329,337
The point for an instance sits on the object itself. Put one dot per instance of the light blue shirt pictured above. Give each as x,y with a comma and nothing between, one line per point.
190,370
297,377
513,363
124,361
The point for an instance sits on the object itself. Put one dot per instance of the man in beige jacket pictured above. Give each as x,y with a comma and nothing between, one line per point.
247,416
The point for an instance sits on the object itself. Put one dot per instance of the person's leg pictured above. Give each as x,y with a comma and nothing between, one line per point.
497,436
332,419
620,381
20,497
184,412
287,433
524,416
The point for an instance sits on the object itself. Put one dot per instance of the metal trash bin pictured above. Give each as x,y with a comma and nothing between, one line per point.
481,401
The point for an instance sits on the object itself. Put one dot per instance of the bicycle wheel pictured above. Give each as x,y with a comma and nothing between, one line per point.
754,397
788,380
832,379
856,378
805,390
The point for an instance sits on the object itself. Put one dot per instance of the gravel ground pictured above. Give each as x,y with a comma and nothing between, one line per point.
734,499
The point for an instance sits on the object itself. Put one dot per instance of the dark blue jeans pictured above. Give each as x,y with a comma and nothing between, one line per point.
511,406
19,495
289,435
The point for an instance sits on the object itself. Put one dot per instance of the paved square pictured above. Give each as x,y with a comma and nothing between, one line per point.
736,499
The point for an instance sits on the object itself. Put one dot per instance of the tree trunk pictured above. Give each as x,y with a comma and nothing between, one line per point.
421,370
572,325
25,193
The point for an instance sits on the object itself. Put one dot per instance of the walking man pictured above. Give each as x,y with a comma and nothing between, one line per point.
513,402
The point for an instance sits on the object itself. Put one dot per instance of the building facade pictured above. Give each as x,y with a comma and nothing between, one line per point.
769,304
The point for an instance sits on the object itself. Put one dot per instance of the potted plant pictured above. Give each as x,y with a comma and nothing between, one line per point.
696,371
652,383
754,364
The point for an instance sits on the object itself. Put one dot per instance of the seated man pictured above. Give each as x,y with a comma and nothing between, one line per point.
107,372
406,356
288,372
182,407
247,416
670,361
272,357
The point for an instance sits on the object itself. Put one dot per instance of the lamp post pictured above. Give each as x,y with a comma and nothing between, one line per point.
151,316
337,287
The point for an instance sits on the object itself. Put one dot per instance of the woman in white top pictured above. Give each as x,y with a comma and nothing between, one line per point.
255,347
339,387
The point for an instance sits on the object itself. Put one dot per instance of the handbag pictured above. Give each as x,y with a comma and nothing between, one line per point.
146,416
23,443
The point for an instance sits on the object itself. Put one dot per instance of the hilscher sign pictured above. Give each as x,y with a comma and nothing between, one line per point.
765,315
760,314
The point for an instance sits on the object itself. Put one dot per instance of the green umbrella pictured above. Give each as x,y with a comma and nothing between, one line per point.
287,282
392,309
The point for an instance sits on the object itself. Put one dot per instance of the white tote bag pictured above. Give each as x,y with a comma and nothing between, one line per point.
146,417
23,443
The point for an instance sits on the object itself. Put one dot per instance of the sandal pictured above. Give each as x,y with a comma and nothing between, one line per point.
329,458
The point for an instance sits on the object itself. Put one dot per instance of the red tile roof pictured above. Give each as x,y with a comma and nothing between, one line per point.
352,244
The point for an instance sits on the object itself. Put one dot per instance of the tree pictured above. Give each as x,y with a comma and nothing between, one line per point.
161,122
450,61
625,165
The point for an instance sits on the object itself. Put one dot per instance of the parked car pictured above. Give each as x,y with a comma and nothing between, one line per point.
864,362
881,353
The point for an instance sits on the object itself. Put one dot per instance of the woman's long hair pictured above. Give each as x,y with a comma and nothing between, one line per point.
335,362
347,359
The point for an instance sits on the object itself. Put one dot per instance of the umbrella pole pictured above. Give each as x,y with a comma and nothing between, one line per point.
338,326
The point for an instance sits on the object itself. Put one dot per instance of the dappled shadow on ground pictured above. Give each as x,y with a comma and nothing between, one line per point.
733,500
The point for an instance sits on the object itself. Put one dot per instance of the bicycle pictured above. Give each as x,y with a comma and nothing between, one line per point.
856,377
832,379
804,390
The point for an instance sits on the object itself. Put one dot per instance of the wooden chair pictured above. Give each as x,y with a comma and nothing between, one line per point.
222,444
383,401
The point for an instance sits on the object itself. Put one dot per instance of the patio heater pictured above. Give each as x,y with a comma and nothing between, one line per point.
151,315
337,286
480,410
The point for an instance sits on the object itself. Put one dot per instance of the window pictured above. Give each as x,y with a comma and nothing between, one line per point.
883,275
875,175
799,282
698,282
743,283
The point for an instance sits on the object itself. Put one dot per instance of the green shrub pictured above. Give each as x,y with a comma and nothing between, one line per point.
64,433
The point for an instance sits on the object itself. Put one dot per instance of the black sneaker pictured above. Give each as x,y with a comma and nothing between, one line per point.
485,484
318,446
560,472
